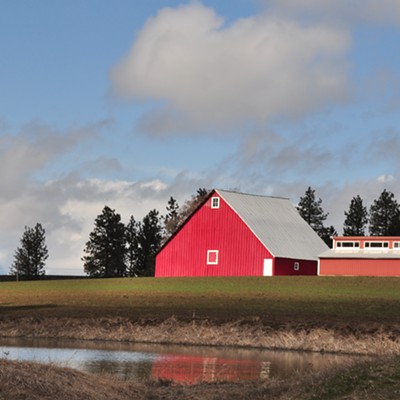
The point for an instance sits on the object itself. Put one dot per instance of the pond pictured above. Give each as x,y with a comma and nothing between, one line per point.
183,364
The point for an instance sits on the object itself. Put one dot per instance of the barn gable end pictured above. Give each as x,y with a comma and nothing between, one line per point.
234,234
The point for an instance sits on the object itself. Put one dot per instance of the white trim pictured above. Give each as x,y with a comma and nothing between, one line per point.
368,247
268,267
296,266
215,201
355,245
216,253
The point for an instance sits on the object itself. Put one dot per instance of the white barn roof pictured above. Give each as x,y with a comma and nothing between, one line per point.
277,224
361,253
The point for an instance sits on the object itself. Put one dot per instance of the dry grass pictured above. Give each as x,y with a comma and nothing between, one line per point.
375,380
21,381
243,333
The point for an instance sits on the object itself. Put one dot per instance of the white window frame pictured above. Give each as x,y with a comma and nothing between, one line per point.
296,266
215,202
355,245
216,253
367,245
396,245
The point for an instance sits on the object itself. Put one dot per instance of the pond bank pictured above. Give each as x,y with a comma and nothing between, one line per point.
367,381
238,333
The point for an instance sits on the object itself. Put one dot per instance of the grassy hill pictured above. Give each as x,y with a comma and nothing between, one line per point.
348,299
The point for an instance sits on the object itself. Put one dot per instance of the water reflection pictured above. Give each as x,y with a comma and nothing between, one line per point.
183,364
190,370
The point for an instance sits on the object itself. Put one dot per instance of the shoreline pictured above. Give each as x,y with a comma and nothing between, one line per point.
48,382
237,333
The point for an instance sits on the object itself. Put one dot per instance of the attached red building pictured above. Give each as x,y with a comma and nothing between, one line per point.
362,256
236,234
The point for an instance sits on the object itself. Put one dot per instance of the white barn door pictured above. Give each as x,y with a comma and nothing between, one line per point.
267,267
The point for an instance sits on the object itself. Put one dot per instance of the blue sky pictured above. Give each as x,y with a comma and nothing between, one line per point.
128,103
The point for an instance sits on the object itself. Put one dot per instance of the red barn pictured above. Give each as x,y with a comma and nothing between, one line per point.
362,256
236,234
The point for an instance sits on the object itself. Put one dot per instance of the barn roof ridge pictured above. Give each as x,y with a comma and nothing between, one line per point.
250,194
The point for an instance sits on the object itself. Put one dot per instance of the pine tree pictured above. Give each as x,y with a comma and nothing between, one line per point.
105,250
327,235
149,242
384,215
311,211
356,220
171,220
29,259
131,237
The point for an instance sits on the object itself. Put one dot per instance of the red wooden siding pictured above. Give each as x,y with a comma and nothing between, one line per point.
285,266
240,253
360,267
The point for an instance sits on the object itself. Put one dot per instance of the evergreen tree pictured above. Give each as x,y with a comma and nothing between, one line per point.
311,211
356,220
149,242
171,220
191,204
105,250
384,215
327,234
30,258
131,237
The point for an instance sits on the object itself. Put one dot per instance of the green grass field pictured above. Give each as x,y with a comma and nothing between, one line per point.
347,298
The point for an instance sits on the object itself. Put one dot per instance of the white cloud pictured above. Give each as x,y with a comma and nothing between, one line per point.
385,178
339,11
67,209
202,71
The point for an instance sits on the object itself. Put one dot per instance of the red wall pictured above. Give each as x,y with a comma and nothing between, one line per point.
360,267
240,252
285,266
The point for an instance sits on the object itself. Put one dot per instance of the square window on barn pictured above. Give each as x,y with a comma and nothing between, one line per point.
396,245
215,202
296,266
212,257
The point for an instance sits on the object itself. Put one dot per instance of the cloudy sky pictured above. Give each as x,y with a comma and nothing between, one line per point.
126,103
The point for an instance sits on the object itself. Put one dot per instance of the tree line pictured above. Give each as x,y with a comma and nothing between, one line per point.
382,218
118,250
113,249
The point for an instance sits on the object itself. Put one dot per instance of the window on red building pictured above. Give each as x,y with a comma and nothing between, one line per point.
212,257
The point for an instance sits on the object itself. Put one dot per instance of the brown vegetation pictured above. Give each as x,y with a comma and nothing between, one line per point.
246,333
375,380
